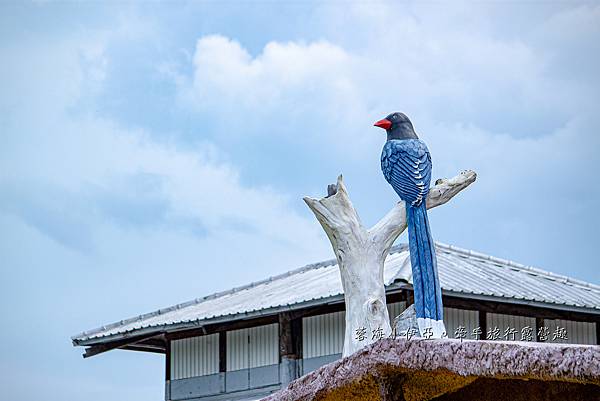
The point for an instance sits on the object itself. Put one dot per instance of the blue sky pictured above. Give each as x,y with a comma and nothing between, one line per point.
153,153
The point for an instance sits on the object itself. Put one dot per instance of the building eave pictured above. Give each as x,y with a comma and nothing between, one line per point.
392,289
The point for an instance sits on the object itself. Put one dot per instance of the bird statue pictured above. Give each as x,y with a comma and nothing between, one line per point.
406,166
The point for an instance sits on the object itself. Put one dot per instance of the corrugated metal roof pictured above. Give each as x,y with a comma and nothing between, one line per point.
462,273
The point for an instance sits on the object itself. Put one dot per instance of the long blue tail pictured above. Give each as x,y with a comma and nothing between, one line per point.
426,284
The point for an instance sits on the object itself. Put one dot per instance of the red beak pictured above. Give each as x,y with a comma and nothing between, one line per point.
385,124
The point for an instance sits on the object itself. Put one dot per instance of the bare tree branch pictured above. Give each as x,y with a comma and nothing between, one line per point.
393,224
361,254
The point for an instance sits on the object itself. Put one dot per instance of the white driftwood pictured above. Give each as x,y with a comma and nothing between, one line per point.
361,253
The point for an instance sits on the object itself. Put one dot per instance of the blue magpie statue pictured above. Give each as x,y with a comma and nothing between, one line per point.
406,166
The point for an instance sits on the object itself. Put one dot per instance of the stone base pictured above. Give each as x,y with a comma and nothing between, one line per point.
447,369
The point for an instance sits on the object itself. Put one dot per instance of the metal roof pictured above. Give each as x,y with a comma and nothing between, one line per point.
462,273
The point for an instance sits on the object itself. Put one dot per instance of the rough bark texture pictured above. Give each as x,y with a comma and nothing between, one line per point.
361,253
419,370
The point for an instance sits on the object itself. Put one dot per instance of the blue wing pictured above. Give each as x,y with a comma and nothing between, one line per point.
406,165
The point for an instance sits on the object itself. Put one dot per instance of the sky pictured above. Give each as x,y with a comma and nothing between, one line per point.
152,153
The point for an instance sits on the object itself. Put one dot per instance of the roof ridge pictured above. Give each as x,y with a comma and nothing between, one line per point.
311,266
331,262
214,295
531,269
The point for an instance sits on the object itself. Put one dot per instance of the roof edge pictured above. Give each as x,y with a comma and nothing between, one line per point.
82,337
541,272
195,301
393,288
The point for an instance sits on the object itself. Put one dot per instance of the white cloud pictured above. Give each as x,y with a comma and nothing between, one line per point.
120,177
224,66
412,57
482,97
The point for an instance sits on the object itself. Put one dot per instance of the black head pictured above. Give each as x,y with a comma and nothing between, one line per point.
397,126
